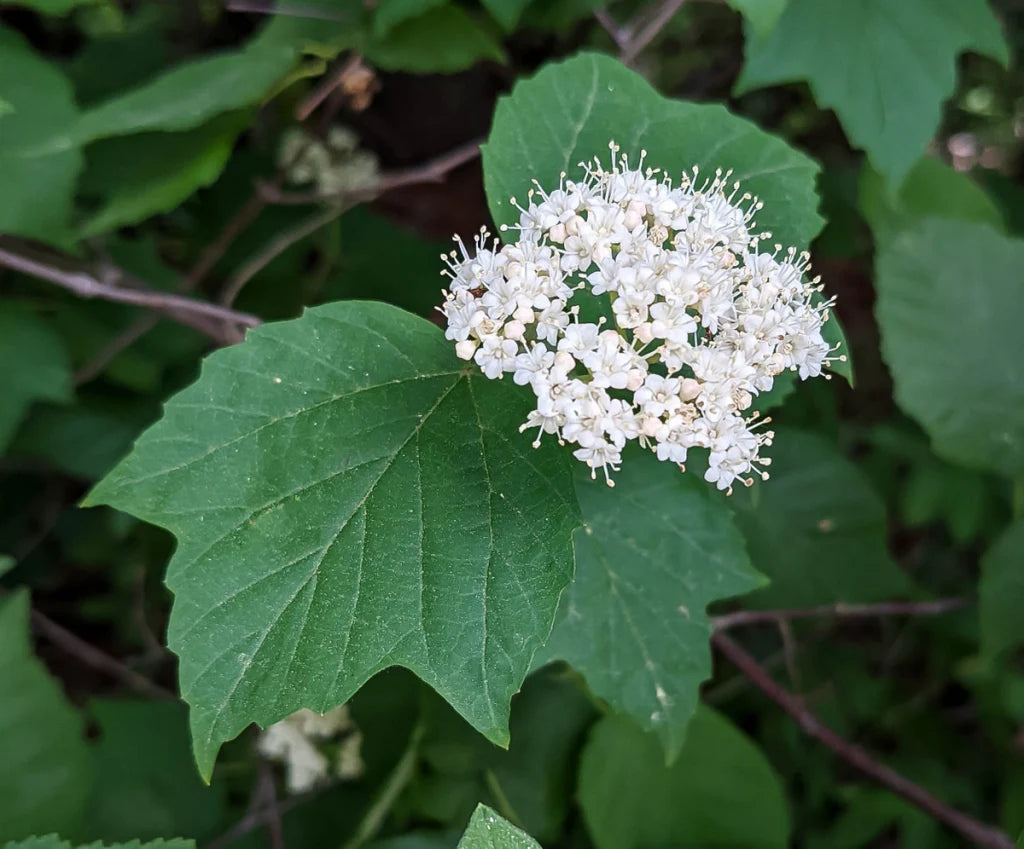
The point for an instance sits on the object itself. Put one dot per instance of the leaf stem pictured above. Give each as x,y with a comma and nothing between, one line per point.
977,832
397,781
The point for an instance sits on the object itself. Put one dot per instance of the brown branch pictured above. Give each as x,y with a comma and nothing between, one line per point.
641,36
839,611
433,171
96,658
328,84
86,286
275,829
977,832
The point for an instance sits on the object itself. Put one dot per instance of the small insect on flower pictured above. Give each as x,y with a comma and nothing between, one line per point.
698,319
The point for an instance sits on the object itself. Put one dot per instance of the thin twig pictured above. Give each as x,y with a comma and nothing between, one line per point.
433,171
839,611
619,33
642,36
277,246
247,213
977,832
96,658
275,828
86,286
324,88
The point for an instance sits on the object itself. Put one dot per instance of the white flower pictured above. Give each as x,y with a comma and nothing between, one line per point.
293,742
701,319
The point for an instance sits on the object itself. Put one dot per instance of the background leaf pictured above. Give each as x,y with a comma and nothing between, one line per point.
949,307
816,529
652,554
1000,590
763,15
348,498
192,93
570,110
720,792
931,189
390,13
413,45
142,175
39,162
146,784
884,67
43,372
46,773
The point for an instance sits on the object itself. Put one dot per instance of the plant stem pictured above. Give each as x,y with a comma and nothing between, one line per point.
397,781
839,611
977,832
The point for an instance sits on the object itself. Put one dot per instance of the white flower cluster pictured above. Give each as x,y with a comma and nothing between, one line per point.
335,164
640,310
293,742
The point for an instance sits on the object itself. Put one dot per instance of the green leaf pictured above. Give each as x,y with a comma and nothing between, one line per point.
413,44
486,830
381,260
45,777
570,110
390,13
533,781
506,12
763,15
931,189
816,528
6,564
54,7
43,372
1001,590
146,784
949,306
192,93
652,554
52,841
38,160
150,173
885,68
347,497
720,792
84,440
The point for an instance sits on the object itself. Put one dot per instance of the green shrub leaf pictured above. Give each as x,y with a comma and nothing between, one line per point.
347,498
413,44
1000,591
949,308
720,792
45,777
570,110
884,67
487,830
43,372
39,163
816,528
652,554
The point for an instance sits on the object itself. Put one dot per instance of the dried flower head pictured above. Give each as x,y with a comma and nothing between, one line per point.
692,319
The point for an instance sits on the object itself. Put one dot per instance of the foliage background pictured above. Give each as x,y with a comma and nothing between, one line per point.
139,153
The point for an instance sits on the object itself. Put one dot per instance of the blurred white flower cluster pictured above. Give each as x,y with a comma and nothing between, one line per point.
298,741
636,309
335,164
